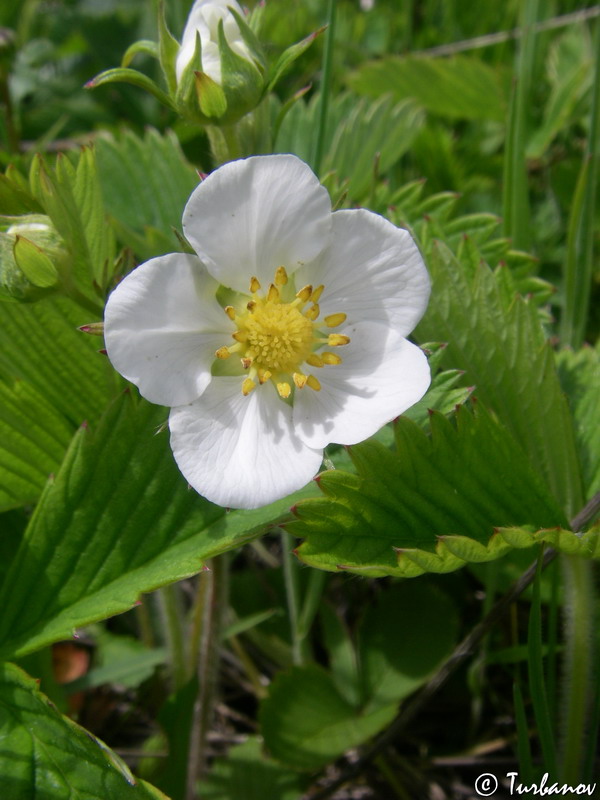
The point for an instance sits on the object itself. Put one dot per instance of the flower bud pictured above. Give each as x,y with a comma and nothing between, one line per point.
30,248
219,67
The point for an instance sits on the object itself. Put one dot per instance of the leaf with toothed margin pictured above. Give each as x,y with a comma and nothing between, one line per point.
117,520
429,505
51,756
497,338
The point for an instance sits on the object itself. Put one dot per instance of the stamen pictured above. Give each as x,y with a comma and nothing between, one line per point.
299,379
313,383
273,294
240,336
331,358
251,305
230,311
225,352
263,375
333,320
281,277
254,284
316,295
314,360
337,339
304,293
246,363
284,390
247,386
313,312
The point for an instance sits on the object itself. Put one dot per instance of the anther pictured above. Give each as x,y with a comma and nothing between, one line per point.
263,375
281,277
284,390
247,386
254,284
331,358
333,320
337,339
313,312
223,352
314,360
299,379
240,336
313,383
304,293
316,295
230,311
251,305
273,294
246,363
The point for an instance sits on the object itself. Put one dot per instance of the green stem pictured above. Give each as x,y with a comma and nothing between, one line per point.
579,265
292,591
173,616
9,117
144,620
537,679
325,86
224,143
213,591
577,685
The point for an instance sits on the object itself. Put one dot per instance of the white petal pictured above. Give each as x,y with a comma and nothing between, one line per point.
204,19
371,271
382,374
251,216
240,452
162,326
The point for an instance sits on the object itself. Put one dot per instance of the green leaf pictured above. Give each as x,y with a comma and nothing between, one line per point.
45,754
460,87
306,722
146,183
40,344
371,139
33,439
501,345
403,637
580,377
465,480
118,520
36,265
87,194
363,136
70,197
247,773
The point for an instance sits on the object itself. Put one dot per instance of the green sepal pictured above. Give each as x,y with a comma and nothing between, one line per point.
36,265
144,46
135,78
287,58
250,38
15,287
211,97
168,49
186,98
242,80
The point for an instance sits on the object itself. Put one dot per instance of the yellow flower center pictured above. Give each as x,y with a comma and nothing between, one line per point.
278,340
279,336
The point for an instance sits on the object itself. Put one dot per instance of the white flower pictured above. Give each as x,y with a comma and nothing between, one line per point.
305,346
204,20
